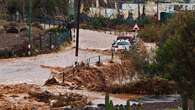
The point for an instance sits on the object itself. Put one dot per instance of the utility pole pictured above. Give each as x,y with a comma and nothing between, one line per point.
77,35
30,28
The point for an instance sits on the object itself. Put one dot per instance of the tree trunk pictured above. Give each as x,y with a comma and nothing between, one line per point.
144,7
117,9
97,8
157,7
184,102
82,7
138,9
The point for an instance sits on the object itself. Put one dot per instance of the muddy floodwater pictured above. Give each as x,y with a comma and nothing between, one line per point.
28,70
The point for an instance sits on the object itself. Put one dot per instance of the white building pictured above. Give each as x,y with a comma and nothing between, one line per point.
150,9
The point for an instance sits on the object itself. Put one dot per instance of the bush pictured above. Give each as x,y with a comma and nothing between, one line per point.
102,22
150,86
98,22
150,33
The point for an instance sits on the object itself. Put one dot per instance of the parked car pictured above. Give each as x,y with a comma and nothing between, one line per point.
121,45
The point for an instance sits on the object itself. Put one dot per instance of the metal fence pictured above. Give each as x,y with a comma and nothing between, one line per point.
93,60
17,44
96,60
50,40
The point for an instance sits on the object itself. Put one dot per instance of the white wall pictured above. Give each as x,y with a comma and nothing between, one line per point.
150,9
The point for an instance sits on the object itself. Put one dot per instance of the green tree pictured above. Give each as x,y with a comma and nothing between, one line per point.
176,55
13,6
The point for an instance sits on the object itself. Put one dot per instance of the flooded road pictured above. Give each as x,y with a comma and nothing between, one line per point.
28,69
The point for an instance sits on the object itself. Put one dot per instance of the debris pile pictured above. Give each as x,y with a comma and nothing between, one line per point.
28,97
61,100
18,89
15,97
111,77
96,78
51,81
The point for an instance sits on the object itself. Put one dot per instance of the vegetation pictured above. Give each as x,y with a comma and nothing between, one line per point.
150,33
39,7
175,57
155,31
109,105
147,85
119,23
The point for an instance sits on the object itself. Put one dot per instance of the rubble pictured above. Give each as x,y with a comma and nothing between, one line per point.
18,88
51,81
61,100
28,97
15,97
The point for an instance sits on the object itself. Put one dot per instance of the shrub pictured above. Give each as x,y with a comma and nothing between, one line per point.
150,33
98,22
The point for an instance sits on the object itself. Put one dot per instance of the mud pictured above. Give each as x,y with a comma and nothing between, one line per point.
96,78
28,97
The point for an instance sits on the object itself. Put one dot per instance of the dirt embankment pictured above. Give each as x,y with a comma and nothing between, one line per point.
110,77
96,78
124,77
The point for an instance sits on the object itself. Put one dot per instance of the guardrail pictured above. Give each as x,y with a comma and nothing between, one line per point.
96,60
93,60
